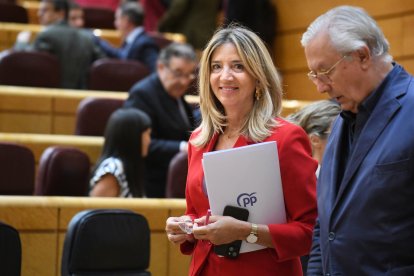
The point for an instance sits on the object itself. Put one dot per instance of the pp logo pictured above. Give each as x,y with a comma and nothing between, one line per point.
246,199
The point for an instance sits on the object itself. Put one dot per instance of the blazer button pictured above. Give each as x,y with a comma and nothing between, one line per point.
331,236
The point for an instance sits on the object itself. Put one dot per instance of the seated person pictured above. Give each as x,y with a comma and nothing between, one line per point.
316,119
161,96
76,15
137,44
74,48
120,168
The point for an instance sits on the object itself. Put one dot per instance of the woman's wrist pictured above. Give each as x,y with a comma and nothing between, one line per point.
244,230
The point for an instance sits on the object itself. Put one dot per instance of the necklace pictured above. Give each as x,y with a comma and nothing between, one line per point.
231,135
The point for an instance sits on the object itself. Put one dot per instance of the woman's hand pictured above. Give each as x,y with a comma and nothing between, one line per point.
221,229
175,233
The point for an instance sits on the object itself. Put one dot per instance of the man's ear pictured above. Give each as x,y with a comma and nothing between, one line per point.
160,66
364,56
315,141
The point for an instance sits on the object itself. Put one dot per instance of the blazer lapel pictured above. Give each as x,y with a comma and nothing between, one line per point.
387,106
127,53
332,162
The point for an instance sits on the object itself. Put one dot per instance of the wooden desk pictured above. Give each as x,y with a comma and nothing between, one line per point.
9,32
42,224
37,143
32,8
43,110
53,111
46,110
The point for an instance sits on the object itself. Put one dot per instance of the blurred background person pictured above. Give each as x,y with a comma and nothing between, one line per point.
47,14
196,19
161,96
76,15
316,119
137,45
74,48
120,168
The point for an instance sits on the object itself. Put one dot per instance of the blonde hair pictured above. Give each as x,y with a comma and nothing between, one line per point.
259,64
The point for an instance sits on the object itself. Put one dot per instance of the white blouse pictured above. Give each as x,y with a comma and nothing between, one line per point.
115,167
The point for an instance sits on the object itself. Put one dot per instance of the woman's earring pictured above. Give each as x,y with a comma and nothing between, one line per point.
257,94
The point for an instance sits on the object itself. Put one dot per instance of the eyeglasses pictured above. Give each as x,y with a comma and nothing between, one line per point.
324,75
181,75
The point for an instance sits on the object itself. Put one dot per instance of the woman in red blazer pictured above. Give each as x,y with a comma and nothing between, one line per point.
240,96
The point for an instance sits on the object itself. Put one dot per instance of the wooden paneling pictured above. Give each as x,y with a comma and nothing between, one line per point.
42,224
32,8
43,110
37,143
53,111
408,64
25,122
40,219
298,14
39,254
9,32
159,254
176,257
297,86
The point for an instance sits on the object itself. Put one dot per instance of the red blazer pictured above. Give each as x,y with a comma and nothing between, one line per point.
290,240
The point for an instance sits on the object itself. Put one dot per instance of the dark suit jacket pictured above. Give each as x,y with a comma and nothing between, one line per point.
75,50
168,129
367,227
143,48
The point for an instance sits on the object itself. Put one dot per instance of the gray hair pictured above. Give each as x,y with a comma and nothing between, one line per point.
316,118
178,50
134,12
349,29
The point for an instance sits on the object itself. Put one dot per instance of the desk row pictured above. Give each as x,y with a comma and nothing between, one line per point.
54,111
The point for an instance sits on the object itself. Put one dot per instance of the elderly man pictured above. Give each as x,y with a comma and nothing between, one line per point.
161,96
366,184
137,45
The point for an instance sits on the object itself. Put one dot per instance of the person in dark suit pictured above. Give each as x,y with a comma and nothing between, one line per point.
365,186
161,96
74,48
137,45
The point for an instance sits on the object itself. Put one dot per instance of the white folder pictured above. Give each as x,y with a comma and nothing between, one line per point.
248,177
